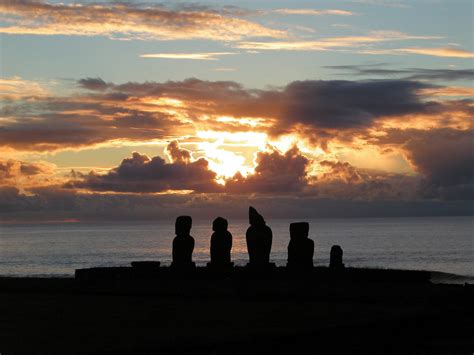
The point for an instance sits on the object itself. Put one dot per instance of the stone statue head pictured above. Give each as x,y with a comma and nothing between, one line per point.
219,225
183,225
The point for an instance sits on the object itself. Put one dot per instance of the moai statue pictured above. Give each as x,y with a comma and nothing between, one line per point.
335,262
183,243
300,248
259,239
221,244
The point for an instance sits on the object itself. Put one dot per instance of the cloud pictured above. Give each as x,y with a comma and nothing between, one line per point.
159,111
129,20
388,3
16,88
275,172
323,104
443,156
61,204
340,170
323,110
343,181
104,113
381,69
436,52
332,43
440,52
26,175
225,69
177,154
53,122
14,169
280,184
456,91
313,12
189,56
96,84
141,173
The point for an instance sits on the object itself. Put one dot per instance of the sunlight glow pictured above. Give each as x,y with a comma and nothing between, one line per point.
244,121
223,162
166,101
252,139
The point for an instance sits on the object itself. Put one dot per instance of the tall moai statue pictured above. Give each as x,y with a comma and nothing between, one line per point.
335,261
300,248
183,243
221,244
259,239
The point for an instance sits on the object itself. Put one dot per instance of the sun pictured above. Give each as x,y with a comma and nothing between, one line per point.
216,147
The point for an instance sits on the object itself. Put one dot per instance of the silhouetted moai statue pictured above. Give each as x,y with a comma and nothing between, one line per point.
300,248
259,239
183,243
221,244
335,261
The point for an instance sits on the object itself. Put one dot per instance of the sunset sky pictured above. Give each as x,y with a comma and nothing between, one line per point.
148,110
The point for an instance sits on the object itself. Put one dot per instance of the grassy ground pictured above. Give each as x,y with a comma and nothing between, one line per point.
61,316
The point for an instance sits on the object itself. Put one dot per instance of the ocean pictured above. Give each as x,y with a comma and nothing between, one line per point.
443,244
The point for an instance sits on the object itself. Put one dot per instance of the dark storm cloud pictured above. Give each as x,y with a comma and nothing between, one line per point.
343,181
320,104
347,104
93,84
445,157
275,172
55,204
141,173
330,104
191,89
80,121
132,111
407,74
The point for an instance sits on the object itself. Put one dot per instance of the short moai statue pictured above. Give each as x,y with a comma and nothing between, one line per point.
335,261
221,244
183,243
300,248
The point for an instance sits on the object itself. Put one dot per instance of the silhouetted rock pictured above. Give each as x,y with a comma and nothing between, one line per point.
300,248
183,243
335,261
221,244
259,239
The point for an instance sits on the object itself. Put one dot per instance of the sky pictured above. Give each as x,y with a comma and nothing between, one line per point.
148,110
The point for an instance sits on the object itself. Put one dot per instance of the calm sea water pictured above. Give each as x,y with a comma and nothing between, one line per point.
443,244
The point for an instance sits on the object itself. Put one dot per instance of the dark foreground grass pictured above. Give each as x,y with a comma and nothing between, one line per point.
235,316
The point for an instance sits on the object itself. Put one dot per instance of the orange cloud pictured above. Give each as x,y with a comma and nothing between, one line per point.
448,91
128,20
332,42
26,175
107,113
16,88
313,12
439,52
189,56
436,52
